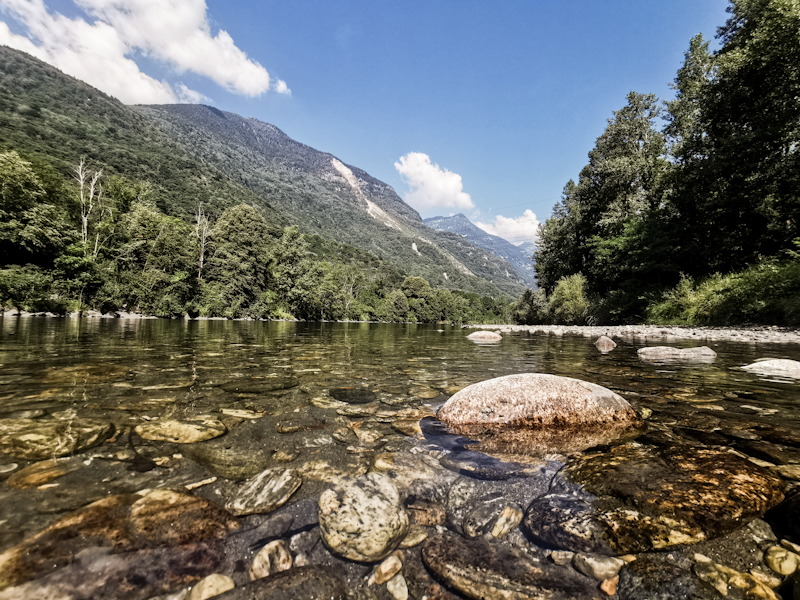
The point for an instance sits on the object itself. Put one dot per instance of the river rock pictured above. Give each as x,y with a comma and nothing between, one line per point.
702,353
42,472
388,568
605,344
660,576
617,503
40,439
211,586
240,454
485,336
775,366
597,566
260,385
315,582
363,519
123,523
189,431
397,587
533,413
479,569
352,395
265,492
272,558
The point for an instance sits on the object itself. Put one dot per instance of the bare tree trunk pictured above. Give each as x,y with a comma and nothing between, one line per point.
90,193
202,231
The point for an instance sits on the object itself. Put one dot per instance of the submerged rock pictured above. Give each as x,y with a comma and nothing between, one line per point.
265,492
636,500
480,569
775,366
189,431
352,395
122,523
533,413
363,519
702,353
42,439
43,472
307,583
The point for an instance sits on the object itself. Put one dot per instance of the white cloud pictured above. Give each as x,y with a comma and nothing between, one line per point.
516,230
97,50
431,186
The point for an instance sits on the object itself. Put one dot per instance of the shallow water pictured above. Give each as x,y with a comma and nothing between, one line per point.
131,372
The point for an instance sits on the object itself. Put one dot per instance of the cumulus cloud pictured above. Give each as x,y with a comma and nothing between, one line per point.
98,49
431,186
515,230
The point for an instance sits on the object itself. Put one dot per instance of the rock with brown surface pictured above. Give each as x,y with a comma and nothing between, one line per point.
40,439
533,413
634,499
42,472
121,523
480,569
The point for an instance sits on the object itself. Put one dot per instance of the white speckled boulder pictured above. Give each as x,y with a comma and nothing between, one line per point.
485,336
702,353
534,413
363,519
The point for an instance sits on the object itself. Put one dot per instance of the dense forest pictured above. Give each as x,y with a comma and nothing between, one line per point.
103,243
687,211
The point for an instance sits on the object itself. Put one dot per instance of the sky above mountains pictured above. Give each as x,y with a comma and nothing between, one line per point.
475,107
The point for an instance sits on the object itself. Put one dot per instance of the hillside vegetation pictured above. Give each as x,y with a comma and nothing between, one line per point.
109,206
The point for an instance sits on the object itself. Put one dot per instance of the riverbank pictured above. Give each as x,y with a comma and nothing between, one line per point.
659,334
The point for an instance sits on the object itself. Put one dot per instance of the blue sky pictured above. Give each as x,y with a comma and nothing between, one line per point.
508,95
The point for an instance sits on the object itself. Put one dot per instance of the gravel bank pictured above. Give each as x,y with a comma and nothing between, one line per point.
662,334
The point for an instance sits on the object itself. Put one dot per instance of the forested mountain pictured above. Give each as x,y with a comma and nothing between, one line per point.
187,210
518,256
192,156
696,220
322,195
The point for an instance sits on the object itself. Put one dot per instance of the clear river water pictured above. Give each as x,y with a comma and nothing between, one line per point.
334,401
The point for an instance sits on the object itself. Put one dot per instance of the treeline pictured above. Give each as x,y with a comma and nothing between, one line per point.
104,244
687,211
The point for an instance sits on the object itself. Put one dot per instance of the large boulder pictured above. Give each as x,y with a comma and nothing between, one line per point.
485,336
775,366
533,413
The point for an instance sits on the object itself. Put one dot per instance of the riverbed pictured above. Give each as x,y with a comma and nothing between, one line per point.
127,446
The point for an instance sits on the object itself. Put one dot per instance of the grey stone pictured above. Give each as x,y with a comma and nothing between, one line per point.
265,492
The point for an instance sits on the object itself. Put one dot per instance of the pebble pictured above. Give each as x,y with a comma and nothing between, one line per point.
609,586
388,568
415,536
272,558
509,518
597,566
397,587
211,586
781,560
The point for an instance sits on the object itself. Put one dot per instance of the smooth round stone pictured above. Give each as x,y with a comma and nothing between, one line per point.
315,582
363,519
615,503
775,366
702,353
534,413
211,586
352,395
265,492
181,432
397,587
8,468
597,567
479,569
484,336
44,438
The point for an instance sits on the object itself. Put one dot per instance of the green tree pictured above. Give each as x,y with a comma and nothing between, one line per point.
568,303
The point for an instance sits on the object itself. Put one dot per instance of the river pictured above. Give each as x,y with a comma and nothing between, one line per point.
335,401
